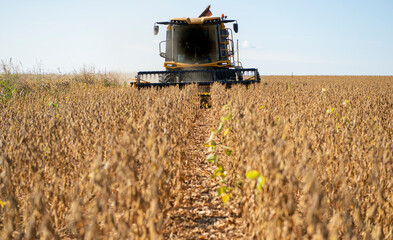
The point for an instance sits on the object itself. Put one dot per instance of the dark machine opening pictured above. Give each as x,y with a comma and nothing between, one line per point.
195,44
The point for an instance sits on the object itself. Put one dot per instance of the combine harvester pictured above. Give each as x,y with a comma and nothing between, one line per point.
198,51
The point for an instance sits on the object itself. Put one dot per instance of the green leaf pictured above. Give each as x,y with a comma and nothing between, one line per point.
330,110
227,117
210,139
228,151
211,158
51,104
226,131
219,171
252,174
260,182
211,145
225,198
221,190
220,127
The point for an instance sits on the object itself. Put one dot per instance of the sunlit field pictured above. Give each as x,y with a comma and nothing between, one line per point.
87,156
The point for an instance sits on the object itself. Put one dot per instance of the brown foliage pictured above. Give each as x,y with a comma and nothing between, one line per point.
79,159
324,145
92,161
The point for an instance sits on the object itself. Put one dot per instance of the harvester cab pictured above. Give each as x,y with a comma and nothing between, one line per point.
198,51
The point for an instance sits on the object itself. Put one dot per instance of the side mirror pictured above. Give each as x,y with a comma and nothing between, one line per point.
156,29
162,54
235,27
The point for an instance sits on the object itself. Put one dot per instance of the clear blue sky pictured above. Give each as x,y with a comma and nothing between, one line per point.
336,37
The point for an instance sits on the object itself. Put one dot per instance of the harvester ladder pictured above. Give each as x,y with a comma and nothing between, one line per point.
226,44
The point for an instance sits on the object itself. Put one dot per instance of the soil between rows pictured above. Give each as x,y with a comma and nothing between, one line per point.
200,213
